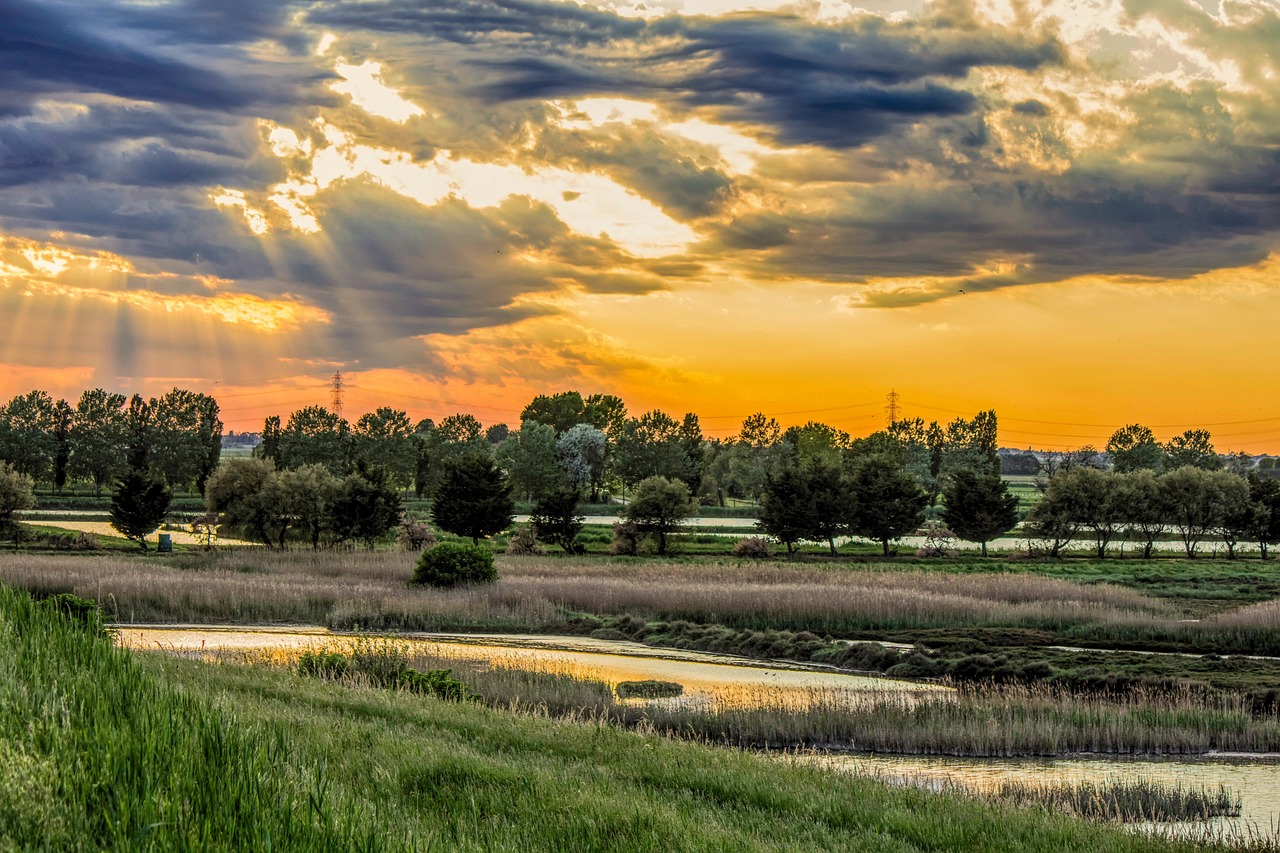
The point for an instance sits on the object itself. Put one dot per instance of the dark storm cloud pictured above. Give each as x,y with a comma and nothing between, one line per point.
801,82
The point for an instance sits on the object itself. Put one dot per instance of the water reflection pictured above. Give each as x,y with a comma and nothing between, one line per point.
708,679
1256,779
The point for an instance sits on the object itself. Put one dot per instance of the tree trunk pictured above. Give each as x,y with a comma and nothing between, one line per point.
885,542
832,543
984,549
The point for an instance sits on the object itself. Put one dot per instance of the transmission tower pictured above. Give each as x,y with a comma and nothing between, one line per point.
335,394
892,410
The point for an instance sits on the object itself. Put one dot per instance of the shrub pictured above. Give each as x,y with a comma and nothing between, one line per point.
753,547
414,534
649,689
524,542
627,538
449,564
324,665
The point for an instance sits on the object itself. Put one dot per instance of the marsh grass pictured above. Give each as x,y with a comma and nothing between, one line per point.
369,590
1139,800
974,720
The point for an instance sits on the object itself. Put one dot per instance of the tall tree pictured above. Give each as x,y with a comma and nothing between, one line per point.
365,505
1193,447
1134,448
315,436
834,503
972,444
139,433
383,439
63,417
1195,499
529,457
889,503
1142,507
652,445
99,437
582,453
16,494
140,503
560,411
474,498
208,439
27,440
978,506
786,507
1264,494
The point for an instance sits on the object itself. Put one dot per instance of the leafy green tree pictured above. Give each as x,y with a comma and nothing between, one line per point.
140,503
315,436
692,442
1142,507
529,457
62,419
27,440
1195,499
497,433
659,507
16,494
138,420
308,497
815,442
889,503
560,411
1055,519
1264,494
246,492
606,413
556,520
383,438
174,447
1193,447
834,505
1238,517
99,437
978,506
269,448
208,439
786,507
1134,448
474,499
365,506
1092,502
972,444
652,445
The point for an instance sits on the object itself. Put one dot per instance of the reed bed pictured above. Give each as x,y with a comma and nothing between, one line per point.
992,721
1139,800
348,589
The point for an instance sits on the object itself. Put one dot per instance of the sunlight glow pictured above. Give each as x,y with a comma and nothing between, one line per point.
363,84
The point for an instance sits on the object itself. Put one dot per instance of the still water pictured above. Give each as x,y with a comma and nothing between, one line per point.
1255,778
707,678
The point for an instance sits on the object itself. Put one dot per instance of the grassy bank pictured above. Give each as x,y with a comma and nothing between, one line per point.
107,751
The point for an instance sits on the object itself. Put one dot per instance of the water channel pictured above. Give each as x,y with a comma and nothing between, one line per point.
723,679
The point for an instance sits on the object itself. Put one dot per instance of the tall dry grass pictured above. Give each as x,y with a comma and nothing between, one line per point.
345,589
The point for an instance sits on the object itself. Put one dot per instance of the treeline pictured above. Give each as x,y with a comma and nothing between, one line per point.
1143,505
104,435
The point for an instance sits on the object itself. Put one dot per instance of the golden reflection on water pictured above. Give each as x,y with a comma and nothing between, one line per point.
708,679
1256,780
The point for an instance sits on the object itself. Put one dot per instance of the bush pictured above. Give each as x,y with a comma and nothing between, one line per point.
627,538
414,534
524,542
649,689
449,564
753,547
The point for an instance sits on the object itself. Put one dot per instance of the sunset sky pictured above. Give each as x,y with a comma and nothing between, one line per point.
1068,211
